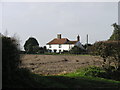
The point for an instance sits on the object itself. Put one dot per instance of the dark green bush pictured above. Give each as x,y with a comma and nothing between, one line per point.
94,71
76,50
109,51
110,73
10,54
31,46
12,75
10,59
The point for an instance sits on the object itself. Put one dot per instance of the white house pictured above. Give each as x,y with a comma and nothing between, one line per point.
60,44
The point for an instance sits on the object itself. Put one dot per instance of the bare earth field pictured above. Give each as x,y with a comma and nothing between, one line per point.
58,64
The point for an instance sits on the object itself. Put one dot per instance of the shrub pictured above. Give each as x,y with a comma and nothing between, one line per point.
77,50
10,54
110,52
10,58
12,75
94,71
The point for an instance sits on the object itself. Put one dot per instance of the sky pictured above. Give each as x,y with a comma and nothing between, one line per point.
44,20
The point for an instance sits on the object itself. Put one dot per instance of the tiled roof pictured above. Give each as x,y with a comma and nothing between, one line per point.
61,41
71,42
58,41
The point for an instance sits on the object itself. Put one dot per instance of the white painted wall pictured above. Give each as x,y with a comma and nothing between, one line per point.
63,47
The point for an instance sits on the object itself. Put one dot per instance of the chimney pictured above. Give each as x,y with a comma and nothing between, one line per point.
87,38
78,38
59,36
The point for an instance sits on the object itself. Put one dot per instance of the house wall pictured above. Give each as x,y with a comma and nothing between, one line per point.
63,47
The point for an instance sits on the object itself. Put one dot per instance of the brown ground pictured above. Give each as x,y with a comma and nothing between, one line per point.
58,64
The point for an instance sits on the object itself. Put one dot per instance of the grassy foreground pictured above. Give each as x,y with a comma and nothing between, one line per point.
26,79
69,81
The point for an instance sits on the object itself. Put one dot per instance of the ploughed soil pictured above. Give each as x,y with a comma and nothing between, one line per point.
58,64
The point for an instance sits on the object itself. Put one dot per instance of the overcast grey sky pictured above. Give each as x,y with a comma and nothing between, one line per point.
45,20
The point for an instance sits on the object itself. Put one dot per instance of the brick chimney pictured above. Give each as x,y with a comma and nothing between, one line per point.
59,36
78,38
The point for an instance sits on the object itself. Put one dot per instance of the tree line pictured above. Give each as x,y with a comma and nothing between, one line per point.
31,46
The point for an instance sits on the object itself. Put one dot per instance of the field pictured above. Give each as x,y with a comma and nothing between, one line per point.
59,71
58,64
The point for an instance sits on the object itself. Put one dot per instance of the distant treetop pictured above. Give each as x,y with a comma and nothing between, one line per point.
30,43
116,32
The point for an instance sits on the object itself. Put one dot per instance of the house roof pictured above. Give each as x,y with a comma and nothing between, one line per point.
61,41
71,42
58,41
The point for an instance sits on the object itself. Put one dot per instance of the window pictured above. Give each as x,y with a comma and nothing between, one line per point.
55,50
59,45
49,46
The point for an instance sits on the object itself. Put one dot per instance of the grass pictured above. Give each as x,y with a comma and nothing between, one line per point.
90,82
71,80
27,79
